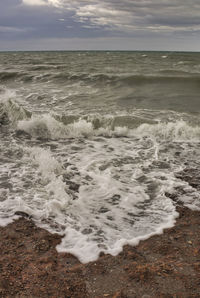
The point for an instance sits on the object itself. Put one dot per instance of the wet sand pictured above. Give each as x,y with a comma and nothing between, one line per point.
166,265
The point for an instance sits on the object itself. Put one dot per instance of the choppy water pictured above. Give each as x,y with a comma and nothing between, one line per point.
91,143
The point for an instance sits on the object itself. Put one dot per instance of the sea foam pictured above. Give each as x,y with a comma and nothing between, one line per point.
46,126
51,172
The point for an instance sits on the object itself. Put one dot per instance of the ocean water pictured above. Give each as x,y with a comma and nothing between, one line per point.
91,143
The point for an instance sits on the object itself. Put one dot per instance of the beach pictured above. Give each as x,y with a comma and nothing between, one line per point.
166,265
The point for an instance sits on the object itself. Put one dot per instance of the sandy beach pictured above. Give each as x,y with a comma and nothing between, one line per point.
166,265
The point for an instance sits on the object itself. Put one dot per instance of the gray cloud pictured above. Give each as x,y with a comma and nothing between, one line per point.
132,15
133,19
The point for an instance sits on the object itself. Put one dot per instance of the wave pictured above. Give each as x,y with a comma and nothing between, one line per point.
54,126
52,179
47,127
35,74
10,110
71,126
99,77
42,67
178,73
174,131
164,76
157,79
7,76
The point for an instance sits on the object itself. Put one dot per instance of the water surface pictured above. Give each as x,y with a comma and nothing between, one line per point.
91,143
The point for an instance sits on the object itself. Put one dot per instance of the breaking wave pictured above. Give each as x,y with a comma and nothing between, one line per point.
52,179
55,126
95,177
10,110
47,127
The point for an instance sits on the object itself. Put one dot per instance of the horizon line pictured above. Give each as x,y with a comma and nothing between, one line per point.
106,50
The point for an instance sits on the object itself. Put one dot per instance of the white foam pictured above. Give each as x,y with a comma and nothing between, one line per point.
121,198
4,221
87,249
122,182
174,131
111,208
126,225
10,107
51,172
46,126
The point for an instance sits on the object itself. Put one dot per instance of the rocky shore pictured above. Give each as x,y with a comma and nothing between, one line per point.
166,265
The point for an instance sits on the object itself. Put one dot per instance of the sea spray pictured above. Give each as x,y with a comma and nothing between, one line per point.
10,110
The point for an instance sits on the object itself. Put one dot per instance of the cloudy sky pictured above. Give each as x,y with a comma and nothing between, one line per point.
100,25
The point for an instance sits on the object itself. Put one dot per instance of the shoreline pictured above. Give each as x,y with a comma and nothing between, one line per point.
166,265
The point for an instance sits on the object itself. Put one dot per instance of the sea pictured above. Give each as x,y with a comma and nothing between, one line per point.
92,144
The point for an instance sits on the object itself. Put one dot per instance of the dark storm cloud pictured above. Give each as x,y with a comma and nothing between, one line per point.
39,19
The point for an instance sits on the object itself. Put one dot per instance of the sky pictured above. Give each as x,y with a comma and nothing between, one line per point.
100,25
